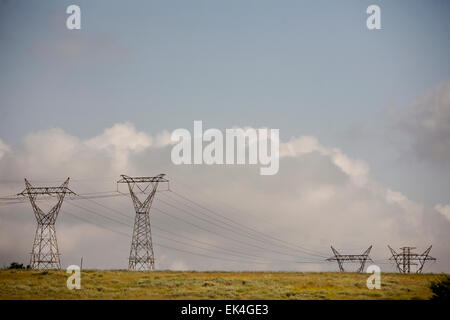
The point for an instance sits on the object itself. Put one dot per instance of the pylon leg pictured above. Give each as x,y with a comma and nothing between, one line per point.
141,252
45,254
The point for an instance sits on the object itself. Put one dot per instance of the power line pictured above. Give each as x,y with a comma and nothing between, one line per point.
188,238
222,222
231,230
240,212
301,249
174,240
166,213
218,234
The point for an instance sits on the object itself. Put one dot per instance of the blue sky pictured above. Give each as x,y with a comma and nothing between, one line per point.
306,67
302,66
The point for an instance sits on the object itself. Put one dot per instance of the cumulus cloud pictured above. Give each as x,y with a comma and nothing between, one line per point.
426,123
162,139
444,210
122,137
55,153
321,196
356,169
121,140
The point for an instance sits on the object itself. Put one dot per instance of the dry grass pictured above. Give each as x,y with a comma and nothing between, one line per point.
97,284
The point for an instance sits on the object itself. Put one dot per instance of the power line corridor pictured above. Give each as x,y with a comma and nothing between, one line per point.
223,238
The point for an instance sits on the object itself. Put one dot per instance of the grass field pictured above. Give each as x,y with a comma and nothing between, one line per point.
97,284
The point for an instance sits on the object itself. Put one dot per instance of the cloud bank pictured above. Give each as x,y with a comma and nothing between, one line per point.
320,197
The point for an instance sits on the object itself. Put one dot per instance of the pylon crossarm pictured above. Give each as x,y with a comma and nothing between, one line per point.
35,191
45,191
135,181
341,258
127,179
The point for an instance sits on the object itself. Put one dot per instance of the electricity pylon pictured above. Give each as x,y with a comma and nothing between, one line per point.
141,252
341,258
45,253
406,259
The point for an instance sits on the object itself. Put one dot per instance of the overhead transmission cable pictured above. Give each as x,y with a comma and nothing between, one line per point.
242,226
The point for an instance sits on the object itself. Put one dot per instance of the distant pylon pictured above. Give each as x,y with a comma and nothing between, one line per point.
406,259
341,258
141,252
45,253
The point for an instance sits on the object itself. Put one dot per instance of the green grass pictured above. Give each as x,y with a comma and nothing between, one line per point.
97,284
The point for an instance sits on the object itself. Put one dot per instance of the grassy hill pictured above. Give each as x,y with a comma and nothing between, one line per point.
99,284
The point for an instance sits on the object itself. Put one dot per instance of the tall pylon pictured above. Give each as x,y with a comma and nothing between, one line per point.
341,258
406,259
142,257
45,253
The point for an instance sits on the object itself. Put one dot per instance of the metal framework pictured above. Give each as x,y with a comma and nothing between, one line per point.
45,253
341,258
141,252
406,259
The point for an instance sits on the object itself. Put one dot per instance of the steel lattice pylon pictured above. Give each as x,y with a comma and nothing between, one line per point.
141,251
45,253
406,259
341,258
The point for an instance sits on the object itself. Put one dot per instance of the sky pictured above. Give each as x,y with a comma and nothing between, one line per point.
364,120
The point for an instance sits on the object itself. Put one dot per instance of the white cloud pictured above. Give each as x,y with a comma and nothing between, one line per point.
302,145
444,210
121,137
55,153
120,141
162,139
321,196
357,170
318,195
